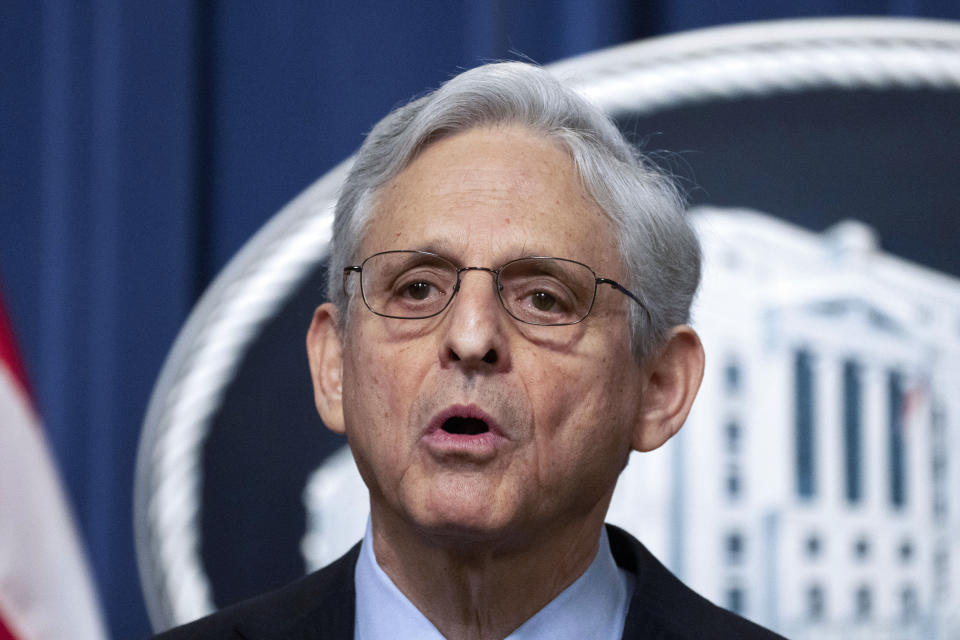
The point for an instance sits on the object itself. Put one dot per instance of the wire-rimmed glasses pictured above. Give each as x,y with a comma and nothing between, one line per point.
538,290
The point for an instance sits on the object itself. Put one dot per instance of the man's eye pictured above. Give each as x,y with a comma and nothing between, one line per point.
418,290
543,301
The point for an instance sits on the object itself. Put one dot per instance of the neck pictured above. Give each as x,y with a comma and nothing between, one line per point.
478,589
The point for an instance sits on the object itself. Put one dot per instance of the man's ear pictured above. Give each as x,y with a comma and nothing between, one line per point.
672,377
325,352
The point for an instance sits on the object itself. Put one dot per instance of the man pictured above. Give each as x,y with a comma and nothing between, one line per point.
510,285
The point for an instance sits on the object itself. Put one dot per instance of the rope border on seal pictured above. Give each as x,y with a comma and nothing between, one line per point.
728,62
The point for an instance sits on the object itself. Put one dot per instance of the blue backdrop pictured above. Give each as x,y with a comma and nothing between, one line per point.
144,143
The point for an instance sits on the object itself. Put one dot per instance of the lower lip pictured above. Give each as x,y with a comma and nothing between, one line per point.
476,446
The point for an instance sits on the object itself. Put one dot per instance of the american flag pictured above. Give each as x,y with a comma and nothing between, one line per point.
45,588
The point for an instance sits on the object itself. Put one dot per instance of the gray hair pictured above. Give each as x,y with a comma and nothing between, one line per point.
658,248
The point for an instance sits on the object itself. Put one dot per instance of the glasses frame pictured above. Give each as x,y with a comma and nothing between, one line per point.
496,280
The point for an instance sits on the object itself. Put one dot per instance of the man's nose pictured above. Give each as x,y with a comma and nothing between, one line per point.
473,331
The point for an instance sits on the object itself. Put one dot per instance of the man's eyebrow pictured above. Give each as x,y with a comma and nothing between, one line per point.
445,249
440,248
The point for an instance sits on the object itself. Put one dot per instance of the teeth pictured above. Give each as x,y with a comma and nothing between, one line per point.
465,426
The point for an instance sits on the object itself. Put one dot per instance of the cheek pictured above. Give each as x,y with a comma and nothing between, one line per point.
583,416
381,385
373,374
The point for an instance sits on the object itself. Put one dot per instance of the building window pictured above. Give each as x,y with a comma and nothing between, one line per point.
812,545
905,551
803,390
734,545
938,460
908,604
863,603
940,506
734,486
852,431
815,602
938,419
861,548
735,599
895,420
731,376
733,436
941,573
938,465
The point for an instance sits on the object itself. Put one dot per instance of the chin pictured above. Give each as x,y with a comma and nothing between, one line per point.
459,518
469,537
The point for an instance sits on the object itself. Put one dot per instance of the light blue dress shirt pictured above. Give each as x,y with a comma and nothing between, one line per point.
594,606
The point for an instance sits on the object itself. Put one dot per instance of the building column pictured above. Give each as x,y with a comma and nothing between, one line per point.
827,430
876,478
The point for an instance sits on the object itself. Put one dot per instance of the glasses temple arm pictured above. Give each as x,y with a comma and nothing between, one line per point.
619,287
346,273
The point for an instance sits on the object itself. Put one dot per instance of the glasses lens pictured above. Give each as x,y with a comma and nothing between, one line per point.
548,291
407,284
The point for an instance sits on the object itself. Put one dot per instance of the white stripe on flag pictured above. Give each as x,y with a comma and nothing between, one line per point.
45,588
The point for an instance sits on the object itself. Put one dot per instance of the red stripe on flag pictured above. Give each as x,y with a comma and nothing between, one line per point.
10,356
5,633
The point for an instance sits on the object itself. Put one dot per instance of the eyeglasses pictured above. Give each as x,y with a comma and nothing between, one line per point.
412,285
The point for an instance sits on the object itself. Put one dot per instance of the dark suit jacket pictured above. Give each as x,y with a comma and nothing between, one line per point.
321,606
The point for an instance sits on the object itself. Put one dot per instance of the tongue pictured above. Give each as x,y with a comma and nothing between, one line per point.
465,426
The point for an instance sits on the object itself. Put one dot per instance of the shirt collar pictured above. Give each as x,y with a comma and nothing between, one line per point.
594,606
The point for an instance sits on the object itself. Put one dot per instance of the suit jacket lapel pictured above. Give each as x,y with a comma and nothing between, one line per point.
320,607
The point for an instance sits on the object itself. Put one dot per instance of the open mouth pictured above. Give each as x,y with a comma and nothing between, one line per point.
460,426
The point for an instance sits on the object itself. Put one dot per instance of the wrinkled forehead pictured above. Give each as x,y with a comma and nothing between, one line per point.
495,193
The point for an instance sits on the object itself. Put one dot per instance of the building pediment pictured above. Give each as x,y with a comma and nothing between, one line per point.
854,310
849,303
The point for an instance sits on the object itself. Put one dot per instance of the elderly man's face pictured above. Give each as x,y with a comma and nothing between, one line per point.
556,407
